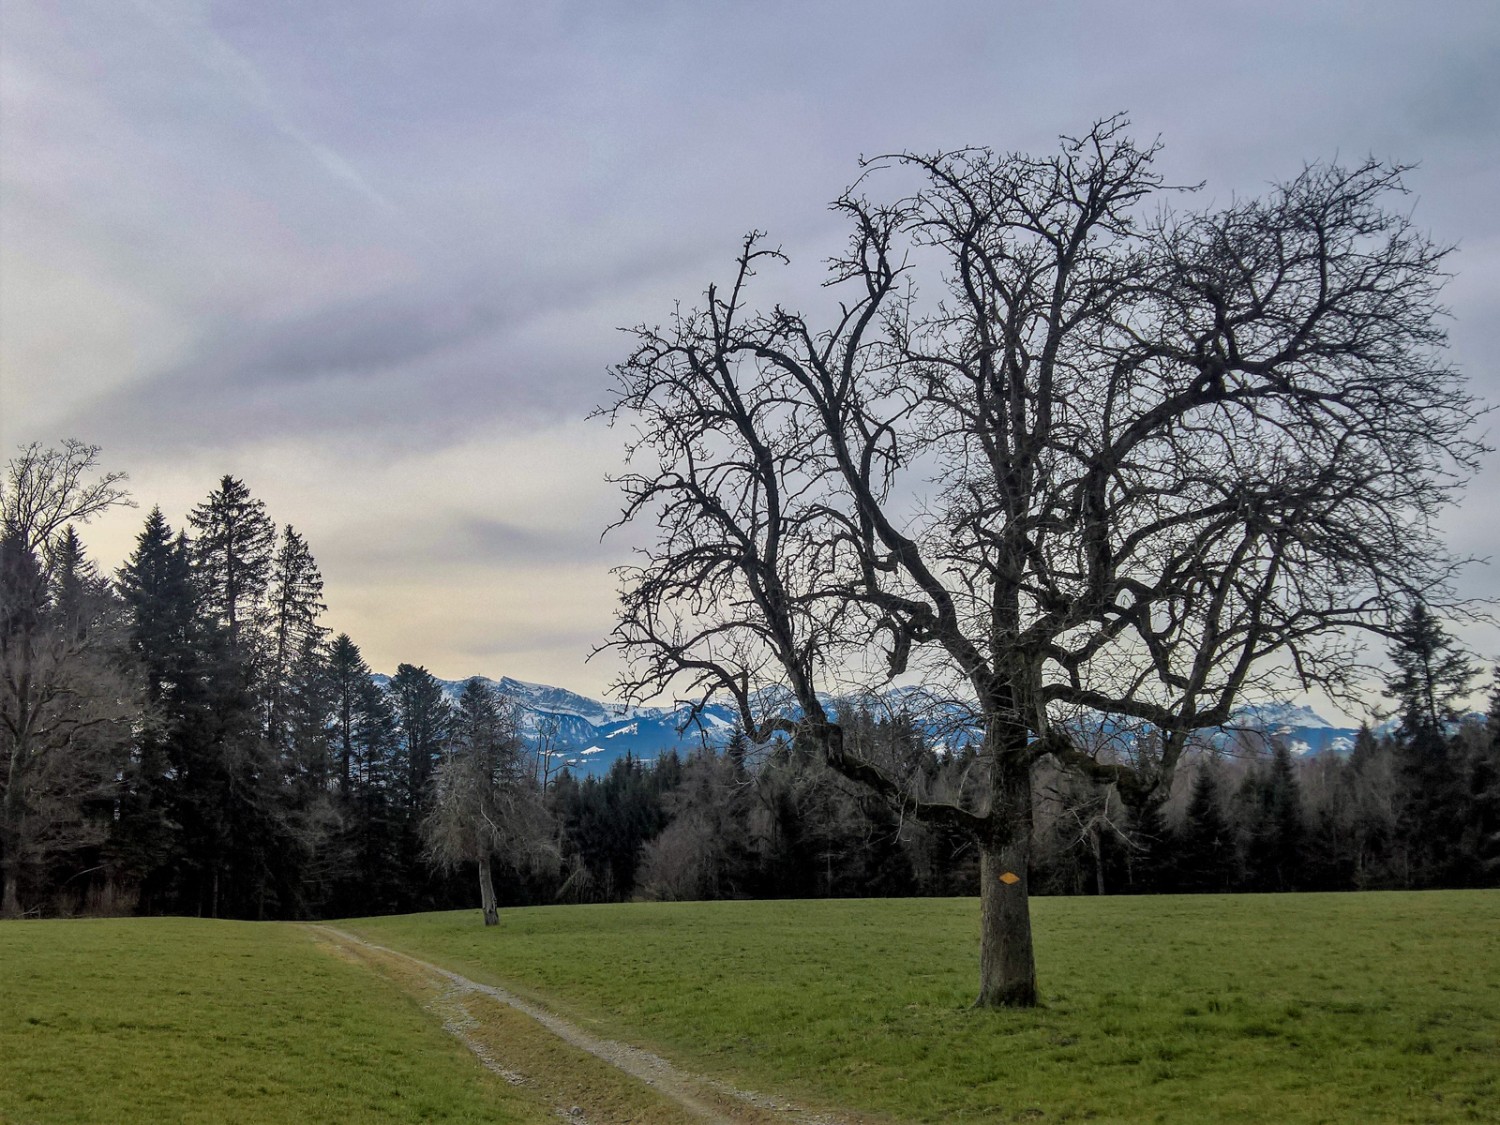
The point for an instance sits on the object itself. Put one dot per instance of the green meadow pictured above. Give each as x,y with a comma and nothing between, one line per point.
1295,1008
1250,1008
167,1020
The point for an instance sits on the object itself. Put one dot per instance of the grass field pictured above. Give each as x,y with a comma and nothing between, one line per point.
1292,1008
1334,1008
179,1020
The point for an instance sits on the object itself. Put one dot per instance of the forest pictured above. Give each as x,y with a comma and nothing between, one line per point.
186,736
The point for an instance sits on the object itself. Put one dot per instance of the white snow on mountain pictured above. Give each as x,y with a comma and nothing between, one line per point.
590,735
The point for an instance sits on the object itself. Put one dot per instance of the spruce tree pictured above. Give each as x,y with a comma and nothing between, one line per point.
294,684
1272,810
1432,674
233,544
1430,681
242,809
348,676
169,640
422,713
1205,843
363,763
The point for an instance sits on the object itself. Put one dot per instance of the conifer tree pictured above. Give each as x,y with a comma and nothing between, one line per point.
348,676
422,713
1272,808
1206,854
1431,679
232,551
240,814
169,641
295,674
1432,674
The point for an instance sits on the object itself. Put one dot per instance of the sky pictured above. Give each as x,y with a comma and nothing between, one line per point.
373,259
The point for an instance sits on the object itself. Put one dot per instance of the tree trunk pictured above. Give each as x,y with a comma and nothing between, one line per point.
1007,966
487,892
10,905
1097,842
10,840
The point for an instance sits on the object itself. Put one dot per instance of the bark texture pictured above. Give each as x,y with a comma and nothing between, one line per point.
487,893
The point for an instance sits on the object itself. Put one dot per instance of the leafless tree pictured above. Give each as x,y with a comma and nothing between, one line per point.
44,490
485,801
1057,447
66,706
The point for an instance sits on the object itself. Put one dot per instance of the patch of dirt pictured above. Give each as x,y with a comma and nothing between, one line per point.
701,1097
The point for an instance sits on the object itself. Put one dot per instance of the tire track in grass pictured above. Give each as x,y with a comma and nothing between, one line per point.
702,1097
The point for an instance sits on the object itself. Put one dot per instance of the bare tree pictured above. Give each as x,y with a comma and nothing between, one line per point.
65,706
68,710
1057,447
485,800
44,490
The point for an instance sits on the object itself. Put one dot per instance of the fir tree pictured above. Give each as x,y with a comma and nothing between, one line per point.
1432,675
232,552
1429,684
422,713
1272,809
1205,843
295,677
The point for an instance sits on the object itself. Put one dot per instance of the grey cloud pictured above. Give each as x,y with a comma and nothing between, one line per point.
542,174
464,540
494,540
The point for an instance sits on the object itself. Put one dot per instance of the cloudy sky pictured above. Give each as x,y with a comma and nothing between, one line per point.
372,258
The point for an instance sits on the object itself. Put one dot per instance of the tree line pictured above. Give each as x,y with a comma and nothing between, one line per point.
186,736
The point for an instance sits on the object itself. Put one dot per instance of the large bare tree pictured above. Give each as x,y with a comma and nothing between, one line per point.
1053,447
67,706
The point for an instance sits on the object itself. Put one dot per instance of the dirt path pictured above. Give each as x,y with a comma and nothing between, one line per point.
697,1096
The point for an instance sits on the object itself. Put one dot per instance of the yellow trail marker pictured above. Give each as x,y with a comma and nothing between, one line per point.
1009,878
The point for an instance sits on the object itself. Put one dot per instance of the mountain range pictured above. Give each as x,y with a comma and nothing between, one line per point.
588,736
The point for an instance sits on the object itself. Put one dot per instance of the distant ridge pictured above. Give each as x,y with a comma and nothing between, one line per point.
589,736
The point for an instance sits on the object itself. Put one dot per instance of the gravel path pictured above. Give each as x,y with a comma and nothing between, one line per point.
705,1098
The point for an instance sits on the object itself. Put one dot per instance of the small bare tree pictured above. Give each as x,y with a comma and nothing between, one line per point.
1056,448
485,800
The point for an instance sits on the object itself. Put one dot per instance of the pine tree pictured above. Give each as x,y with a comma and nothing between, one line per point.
1272,808
1432,675
1205,843
422,713
168,640
295,682
232,552
1429,684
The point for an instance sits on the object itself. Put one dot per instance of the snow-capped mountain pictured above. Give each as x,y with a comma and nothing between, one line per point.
1302,729
588,736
